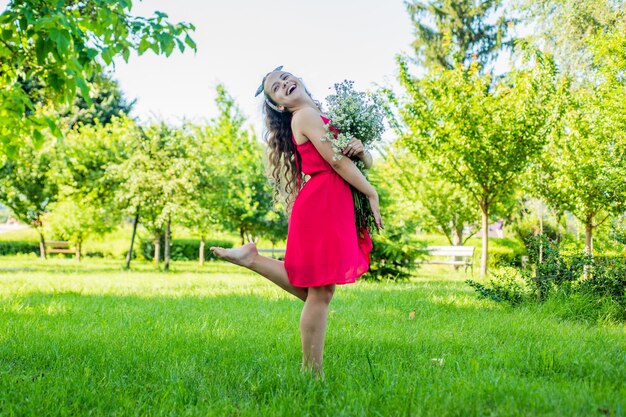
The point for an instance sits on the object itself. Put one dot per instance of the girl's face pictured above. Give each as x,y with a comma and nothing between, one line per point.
284,88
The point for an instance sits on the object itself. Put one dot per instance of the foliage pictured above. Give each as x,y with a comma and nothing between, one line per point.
59,46
89,158
156,177
424,197
184,249
504,286
75,220
393,257
566,27
13,247
28,184
453,33
558,275
107,102
233,188
453,119
584,160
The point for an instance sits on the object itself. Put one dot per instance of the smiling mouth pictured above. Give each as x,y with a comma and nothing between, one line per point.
290,90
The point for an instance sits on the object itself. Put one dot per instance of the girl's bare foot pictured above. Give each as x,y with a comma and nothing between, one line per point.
243,255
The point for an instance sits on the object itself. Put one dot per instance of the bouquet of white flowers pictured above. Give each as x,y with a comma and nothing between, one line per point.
360,115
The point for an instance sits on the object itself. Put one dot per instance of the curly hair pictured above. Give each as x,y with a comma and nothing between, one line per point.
282,155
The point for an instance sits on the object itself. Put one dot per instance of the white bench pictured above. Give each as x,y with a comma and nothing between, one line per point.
457,255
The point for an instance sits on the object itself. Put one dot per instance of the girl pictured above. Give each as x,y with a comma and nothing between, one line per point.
323,246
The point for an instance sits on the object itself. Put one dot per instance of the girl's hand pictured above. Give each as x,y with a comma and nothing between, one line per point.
354,148
374,204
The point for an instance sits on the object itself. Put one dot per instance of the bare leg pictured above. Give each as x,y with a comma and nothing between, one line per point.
313,327
272,269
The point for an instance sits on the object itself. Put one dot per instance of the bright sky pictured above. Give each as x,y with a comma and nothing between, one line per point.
322,41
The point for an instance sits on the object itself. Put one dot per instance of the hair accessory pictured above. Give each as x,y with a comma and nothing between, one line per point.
273,106
260,89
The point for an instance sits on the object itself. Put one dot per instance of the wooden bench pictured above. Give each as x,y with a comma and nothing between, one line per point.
59,246
457,255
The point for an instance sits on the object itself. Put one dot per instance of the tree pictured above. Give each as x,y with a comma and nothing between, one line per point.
422,194
75,220
563,28
236,190
156,180
451,33
28,185
582,170
60,45
107,102
479,132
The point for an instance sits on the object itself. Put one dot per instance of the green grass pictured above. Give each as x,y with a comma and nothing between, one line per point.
92,339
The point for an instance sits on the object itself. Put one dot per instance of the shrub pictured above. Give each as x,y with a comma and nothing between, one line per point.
599,283
504,286
13,247
393,257
502,256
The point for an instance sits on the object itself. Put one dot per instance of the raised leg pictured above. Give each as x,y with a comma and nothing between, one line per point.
313,327
272,269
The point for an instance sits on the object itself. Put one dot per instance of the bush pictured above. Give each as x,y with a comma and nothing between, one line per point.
393,257
505,256
504,286
184,249
13,247
599,283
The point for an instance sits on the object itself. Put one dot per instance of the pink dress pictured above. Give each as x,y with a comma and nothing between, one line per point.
323,246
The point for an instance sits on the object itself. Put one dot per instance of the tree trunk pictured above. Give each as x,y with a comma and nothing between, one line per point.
242,233
201,253
457,240
42,246
129,255
484,209
168,243
157,250
588,241
558,216
541,231
78,249
589,235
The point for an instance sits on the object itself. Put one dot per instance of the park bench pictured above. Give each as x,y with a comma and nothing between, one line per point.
59,246
457,255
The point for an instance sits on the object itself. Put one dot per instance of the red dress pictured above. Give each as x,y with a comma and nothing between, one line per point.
322,243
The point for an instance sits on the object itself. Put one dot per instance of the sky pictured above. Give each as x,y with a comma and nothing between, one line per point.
239,41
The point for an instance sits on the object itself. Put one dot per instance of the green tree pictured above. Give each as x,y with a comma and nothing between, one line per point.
449,33
107,102
237,191
479,132
564,28
582,170
75,220
28,185
60,45
156,180
421,194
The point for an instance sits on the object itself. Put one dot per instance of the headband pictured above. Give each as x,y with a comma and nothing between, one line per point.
260,90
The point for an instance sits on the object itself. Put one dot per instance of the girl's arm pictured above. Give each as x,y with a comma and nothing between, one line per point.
309,123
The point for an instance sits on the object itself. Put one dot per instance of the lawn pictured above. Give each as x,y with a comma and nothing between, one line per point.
92,339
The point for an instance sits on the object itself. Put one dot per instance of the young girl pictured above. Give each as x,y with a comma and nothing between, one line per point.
323,246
